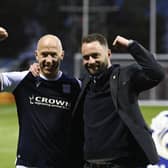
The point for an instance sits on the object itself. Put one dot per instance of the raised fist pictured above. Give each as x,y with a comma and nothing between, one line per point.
121,42
3,34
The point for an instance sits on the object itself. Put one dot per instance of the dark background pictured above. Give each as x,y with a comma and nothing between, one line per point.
27,20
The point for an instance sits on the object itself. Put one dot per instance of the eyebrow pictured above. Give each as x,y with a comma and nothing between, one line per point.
92,54
49,52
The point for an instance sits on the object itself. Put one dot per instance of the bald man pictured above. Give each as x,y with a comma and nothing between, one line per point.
44,106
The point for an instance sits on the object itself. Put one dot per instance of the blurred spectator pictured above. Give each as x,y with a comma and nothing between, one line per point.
159,127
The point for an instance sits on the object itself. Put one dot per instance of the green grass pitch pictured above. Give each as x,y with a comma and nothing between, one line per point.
8,135
9,131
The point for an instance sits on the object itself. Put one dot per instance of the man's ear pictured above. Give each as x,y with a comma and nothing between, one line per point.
109,53
62,55
36,55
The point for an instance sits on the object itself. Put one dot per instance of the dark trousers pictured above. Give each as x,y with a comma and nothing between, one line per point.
110,165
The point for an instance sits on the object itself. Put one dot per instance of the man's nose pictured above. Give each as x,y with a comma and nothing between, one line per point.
91,60
49,58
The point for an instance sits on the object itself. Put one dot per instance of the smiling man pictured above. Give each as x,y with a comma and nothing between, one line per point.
44,106
49,55
115,133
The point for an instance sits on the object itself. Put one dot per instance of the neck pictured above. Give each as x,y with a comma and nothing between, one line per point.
109,64
54,77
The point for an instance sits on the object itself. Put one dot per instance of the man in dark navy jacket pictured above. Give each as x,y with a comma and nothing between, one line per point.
44,106
115,133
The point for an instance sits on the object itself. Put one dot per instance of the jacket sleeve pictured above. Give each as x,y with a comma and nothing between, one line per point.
149,72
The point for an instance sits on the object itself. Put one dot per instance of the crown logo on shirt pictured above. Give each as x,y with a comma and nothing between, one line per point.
31,99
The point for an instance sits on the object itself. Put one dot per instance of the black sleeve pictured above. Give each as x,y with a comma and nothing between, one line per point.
149,72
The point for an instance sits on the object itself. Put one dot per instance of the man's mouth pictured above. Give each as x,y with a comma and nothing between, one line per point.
94,67
48,67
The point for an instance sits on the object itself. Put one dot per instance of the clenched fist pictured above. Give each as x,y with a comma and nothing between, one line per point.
3,34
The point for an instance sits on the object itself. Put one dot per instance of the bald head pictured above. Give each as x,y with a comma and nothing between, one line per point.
49,55
50,41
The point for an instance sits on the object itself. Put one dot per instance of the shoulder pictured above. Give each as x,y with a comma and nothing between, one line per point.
71,80
127,72
130,68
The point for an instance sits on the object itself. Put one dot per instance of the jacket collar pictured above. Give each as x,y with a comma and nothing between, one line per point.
114,84
113,87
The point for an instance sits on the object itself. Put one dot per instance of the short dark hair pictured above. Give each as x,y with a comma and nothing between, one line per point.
95,37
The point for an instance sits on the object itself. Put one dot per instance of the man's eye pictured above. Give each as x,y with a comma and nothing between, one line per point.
44,54
54,55
94,55
86,57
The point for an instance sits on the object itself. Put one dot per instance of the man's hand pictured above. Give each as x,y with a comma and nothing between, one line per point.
121,42
35,69
3,34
